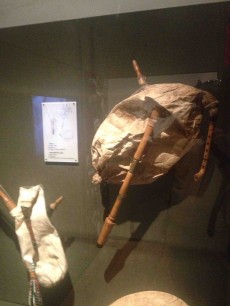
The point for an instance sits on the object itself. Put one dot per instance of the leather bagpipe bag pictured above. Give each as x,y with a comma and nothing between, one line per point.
181,108
51,266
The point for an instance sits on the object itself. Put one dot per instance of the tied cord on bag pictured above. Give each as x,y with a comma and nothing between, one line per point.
35,297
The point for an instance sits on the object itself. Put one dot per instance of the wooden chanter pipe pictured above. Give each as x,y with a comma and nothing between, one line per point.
213,113
207,149
110,219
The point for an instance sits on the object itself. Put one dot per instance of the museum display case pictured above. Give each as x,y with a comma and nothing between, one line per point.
60,82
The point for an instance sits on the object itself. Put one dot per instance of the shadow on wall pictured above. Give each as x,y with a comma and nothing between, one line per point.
145,202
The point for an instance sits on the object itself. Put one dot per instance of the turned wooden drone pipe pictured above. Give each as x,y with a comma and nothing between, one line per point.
140,78
54,206
110,220
6,198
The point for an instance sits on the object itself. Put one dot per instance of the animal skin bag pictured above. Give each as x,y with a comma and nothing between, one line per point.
181,109
40,244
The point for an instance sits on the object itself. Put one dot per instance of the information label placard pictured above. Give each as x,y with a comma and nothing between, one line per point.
60,131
